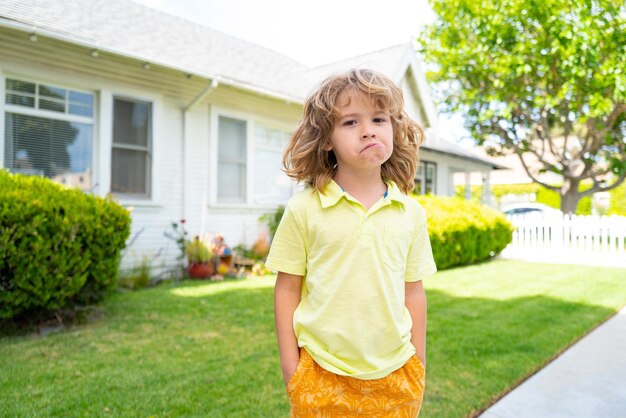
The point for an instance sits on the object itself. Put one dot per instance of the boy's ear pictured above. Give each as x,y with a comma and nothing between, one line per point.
328,146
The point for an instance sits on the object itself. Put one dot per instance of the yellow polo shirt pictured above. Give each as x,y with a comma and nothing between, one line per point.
352,319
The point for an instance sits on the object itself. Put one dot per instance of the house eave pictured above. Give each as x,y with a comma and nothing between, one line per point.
475,160
94,45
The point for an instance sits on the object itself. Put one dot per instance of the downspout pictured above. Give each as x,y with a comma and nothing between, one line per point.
203,94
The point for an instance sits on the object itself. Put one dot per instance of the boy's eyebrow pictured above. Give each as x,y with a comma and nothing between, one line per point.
351,115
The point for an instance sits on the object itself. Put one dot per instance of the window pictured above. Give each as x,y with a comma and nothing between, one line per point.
232,164
425,179
131,150
271,185
249,163
49,132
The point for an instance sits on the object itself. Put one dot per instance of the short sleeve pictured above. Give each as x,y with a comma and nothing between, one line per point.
420,261
288,250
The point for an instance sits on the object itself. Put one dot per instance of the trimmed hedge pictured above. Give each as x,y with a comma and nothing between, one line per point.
59,247
464,232
618,200
542,195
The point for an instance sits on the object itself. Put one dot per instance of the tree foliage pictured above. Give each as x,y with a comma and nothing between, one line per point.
544,79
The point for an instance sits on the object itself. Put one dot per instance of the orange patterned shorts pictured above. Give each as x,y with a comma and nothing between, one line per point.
316,392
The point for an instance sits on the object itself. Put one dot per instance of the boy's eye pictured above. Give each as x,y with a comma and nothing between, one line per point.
349,123
380,120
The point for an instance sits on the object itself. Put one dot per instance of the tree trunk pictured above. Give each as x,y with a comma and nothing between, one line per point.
569,201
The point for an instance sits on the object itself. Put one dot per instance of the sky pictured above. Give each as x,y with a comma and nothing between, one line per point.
311,32
316,32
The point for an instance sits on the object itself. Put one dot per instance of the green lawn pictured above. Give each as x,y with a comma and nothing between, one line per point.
208,349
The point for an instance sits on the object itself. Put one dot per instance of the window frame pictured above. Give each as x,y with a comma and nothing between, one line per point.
252,121
246,190
254,192
50,114
422,180
103,91
149,196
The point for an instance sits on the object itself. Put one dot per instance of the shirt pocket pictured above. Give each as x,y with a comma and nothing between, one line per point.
396,244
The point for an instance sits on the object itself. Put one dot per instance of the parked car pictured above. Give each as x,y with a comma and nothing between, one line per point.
530,209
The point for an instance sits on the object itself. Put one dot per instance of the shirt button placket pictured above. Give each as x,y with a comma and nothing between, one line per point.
366,227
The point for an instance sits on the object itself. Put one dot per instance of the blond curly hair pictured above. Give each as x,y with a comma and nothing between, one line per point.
305,158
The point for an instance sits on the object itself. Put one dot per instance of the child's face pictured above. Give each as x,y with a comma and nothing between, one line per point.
362,137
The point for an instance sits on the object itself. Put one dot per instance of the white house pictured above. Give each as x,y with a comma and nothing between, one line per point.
175,120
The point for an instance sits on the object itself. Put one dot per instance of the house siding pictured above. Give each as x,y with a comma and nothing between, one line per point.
184,143
237,223
173,159
446,167
412,104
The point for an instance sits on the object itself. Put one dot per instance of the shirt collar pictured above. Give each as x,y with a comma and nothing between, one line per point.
394,192
333,193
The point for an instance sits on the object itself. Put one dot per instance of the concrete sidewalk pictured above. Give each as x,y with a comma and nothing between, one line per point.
586,381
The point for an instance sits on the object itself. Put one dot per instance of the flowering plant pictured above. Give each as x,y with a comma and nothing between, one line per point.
198,252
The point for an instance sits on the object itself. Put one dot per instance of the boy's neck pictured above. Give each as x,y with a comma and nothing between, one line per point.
366,187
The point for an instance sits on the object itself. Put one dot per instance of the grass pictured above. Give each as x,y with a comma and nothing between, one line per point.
208,349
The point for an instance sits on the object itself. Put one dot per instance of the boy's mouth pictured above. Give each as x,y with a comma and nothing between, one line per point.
371,145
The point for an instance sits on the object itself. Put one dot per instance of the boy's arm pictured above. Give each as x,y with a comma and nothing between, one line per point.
415,301
286,300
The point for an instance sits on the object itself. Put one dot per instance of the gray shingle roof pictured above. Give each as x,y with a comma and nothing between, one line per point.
135,30
450,148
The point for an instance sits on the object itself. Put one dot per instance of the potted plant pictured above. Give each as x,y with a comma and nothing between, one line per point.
200,263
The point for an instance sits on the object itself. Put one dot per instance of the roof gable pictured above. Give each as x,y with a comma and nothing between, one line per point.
398,62
391,61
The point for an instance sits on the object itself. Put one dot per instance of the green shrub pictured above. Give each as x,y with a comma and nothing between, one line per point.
618,200
553,199
59,247
542,195
549,198
464,232
272,219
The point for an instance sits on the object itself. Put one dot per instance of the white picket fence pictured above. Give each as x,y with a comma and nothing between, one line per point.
595,240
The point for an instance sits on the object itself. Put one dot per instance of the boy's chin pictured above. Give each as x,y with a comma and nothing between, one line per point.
378,158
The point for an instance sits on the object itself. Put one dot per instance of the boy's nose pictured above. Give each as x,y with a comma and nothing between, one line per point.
368,132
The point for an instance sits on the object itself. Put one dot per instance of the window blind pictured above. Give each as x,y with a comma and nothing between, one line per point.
49,132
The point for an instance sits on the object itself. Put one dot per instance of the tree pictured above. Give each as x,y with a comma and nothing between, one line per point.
545,79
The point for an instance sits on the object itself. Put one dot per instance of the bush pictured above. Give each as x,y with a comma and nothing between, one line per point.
463,232
553,199
59,247
618,200
542,195
272,219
